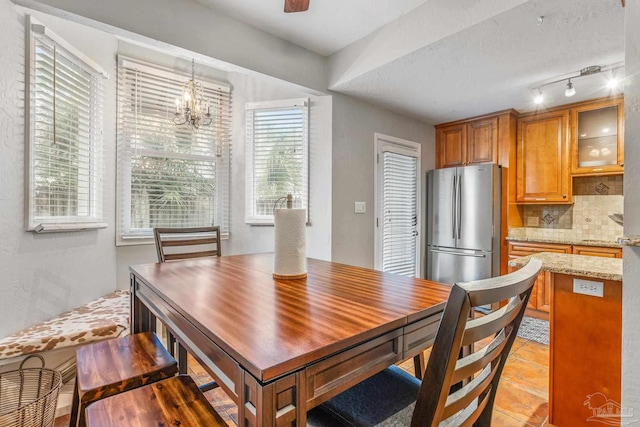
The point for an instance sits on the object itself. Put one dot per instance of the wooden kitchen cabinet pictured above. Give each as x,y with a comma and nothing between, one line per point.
540,299
597,251
467,143
597,137
542,158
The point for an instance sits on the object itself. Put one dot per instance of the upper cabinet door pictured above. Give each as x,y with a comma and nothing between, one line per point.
451,146
542,159
483,141
597,138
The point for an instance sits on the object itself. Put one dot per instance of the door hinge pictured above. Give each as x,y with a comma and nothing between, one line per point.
377,224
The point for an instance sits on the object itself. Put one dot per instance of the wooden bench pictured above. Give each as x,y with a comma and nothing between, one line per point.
104,318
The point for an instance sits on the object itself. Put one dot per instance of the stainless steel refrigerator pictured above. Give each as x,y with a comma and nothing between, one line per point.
463,223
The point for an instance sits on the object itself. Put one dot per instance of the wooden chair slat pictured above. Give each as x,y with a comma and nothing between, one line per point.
190,242
462,398
188,255
478,329
467,366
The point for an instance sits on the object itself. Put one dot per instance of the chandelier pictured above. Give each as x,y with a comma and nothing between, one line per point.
191,107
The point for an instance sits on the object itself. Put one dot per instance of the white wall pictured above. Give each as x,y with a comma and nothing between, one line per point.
43,275
631,262
354,123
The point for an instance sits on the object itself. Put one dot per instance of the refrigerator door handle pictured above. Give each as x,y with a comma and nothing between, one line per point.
459,207
454,200
475,255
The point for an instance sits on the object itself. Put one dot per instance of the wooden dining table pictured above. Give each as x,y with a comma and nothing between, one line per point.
278,348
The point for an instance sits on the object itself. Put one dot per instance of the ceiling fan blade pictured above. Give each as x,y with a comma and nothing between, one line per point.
296,5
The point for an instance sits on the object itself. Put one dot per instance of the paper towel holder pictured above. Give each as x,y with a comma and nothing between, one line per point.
289,275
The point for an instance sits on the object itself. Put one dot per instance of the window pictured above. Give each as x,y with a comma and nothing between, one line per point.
277,139
169,176
63,135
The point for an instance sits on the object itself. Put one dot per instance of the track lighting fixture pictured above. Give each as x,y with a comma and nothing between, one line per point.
612,83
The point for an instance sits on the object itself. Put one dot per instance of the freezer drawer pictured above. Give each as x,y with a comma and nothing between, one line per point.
450,266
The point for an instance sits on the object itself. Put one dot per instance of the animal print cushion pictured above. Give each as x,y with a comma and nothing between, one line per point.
106,317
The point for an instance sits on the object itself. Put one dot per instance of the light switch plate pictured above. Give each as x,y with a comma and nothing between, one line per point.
361,207
588,287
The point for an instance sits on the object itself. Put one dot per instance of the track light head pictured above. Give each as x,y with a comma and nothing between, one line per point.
570,90
538,98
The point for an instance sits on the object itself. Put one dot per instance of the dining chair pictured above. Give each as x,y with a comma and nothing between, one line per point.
173,244
185,243
463,371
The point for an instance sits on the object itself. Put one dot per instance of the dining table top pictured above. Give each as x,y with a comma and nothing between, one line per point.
272,326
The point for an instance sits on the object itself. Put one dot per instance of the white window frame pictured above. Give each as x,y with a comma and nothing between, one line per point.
384,143
222,161
93,189
251,217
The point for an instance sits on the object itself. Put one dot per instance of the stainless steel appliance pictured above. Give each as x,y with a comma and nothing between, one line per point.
463,223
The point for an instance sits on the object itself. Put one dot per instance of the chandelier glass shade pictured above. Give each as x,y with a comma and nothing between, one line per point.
191,107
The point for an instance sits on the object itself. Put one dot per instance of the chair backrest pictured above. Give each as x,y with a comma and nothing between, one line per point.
185,243
462,375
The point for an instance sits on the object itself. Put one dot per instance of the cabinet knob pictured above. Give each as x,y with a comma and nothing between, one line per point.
564,196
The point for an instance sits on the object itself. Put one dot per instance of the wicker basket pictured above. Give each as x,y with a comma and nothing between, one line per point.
28,396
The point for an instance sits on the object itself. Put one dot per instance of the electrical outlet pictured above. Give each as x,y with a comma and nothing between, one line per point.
361,207
588,287
533,221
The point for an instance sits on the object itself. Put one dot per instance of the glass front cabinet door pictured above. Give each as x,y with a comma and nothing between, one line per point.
597,134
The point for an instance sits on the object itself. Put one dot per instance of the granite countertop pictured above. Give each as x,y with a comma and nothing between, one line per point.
565,241
576,265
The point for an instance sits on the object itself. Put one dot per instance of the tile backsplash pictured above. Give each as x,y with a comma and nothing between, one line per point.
594,198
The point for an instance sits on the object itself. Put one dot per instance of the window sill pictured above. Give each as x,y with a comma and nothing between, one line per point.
67,227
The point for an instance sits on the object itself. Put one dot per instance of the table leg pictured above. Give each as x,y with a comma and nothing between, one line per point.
281,403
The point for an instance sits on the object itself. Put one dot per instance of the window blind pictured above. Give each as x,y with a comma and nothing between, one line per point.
65,96
169,176
399,213
277,153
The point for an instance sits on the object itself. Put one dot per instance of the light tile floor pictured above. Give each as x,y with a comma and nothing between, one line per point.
522,399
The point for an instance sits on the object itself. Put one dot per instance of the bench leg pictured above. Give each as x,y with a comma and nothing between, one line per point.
182,359
73,419
171,344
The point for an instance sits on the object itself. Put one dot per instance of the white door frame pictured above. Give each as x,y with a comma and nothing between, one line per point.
384,143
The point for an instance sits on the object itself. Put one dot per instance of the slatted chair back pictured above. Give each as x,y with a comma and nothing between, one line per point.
462,375
184,243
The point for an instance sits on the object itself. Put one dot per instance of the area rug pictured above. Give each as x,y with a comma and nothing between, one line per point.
533,329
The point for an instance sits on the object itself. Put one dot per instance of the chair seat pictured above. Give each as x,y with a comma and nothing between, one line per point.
385,400
175,401
109,367
362,405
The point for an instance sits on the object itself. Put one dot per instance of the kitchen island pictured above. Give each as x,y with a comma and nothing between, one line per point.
585,322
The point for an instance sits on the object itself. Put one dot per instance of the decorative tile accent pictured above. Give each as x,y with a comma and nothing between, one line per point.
548,218
602,188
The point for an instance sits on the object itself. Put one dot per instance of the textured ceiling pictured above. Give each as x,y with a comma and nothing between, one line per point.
487,57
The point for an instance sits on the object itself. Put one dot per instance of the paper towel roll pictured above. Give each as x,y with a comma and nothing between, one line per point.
290,257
